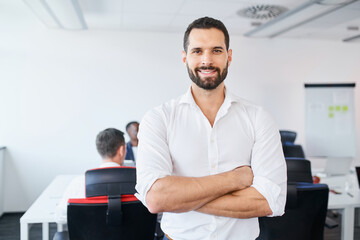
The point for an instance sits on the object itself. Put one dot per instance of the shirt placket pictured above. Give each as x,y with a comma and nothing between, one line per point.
213,169
213,152
214,236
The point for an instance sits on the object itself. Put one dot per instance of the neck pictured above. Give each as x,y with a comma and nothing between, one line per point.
209,101
134,142
107,160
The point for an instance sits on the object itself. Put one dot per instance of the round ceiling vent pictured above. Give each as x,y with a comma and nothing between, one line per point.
262,12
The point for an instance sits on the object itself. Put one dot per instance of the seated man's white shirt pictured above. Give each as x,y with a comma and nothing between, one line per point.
76,189
134,149
177,139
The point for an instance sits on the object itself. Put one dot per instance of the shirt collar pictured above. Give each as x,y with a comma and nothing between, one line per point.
109,164
189,99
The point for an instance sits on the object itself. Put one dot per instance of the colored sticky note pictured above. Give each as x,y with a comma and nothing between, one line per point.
331,108
345,108
331,115
338,108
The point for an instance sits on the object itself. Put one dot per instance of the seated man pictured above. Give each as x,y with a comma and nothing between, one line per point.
132,129
110,144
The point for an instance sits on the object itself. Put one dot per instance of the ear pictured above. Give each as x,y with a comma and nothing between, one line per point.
183,53
229,56
122,151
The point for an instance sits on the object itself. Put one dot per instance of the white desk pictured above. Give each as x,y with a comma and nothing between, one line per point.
343,202
43,209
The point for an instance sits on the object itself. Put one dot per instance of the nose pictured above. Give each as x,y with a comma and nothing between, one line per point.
206,59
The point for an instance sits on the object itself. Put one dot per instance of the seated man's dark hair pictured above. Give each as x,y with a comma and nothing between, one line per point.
130,123
206,23
108,142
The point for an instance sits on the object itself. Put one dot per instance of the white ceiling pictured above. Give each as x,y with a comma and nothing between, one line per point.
170,15
175,15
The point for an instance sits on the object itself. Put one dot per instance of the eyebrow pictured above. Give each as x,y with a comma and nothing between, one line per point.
198,48
218,47
195,49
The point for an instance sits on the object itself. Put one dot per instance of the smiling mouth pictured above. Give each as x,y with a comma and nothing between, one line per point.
207,71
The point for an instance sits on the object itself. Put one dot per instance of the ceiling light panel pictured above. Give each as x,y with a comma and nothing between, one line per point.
68,12
355,38
44,14
58,13
332,26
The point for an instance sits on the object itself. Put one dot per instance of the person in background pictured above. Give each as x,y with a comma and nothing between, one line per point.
110,144
132,129
210,160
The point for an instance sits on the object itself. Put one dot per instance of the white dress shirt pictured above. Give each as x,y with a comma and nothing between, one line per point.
134,149
177,139
76,189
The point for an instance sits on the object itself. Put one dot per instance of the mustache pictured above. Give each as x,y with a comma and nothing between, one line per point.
207,68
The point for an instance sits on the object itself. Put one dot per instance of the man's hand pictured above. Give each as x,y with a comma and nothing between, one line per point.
244,177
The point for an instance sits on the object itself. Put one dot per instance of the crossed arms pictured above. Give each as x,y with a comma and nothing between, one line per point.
243,192
226,194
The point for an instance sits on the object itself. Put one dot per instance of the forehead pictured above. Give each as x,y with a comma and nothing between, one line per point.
206,38
134,125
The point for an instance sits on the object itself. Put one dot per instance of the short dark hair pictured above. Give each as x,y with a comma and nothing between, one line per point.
206,23
130,123
108,142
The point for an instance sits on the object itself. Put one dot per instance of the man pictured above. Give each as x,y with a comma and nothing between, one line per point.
110,144
132,129
211,161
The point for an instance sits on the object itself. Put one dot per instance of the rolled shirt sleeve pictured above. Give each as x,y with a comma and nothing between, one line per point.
268,163
153,160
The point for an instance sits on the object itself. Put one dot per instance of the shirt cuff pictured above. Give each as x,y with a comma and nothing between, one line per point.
271,193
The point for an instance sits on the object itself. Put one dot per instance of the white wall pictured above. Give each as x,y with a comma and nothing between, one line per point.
2,150
58,89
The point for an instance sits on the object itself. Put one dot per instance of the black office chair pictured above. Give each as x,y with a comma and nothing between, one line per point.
289,147
305,210
298,170
293,150
110,210
287,136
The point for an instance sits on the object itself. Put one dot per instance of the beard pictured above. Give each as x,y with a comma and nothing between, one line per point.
208,83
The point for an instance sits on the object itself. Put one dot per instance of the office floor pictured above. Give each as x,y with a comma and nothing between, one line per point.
10,229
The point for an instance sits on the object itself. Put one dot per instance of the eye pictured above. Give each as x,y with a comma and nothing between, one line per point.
196,51
217,51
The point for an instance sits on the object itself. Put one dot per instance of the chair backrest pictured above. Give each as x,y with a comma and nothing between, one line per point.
287,136
293,150
298,170
112,182
306,220
110,210
305,210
